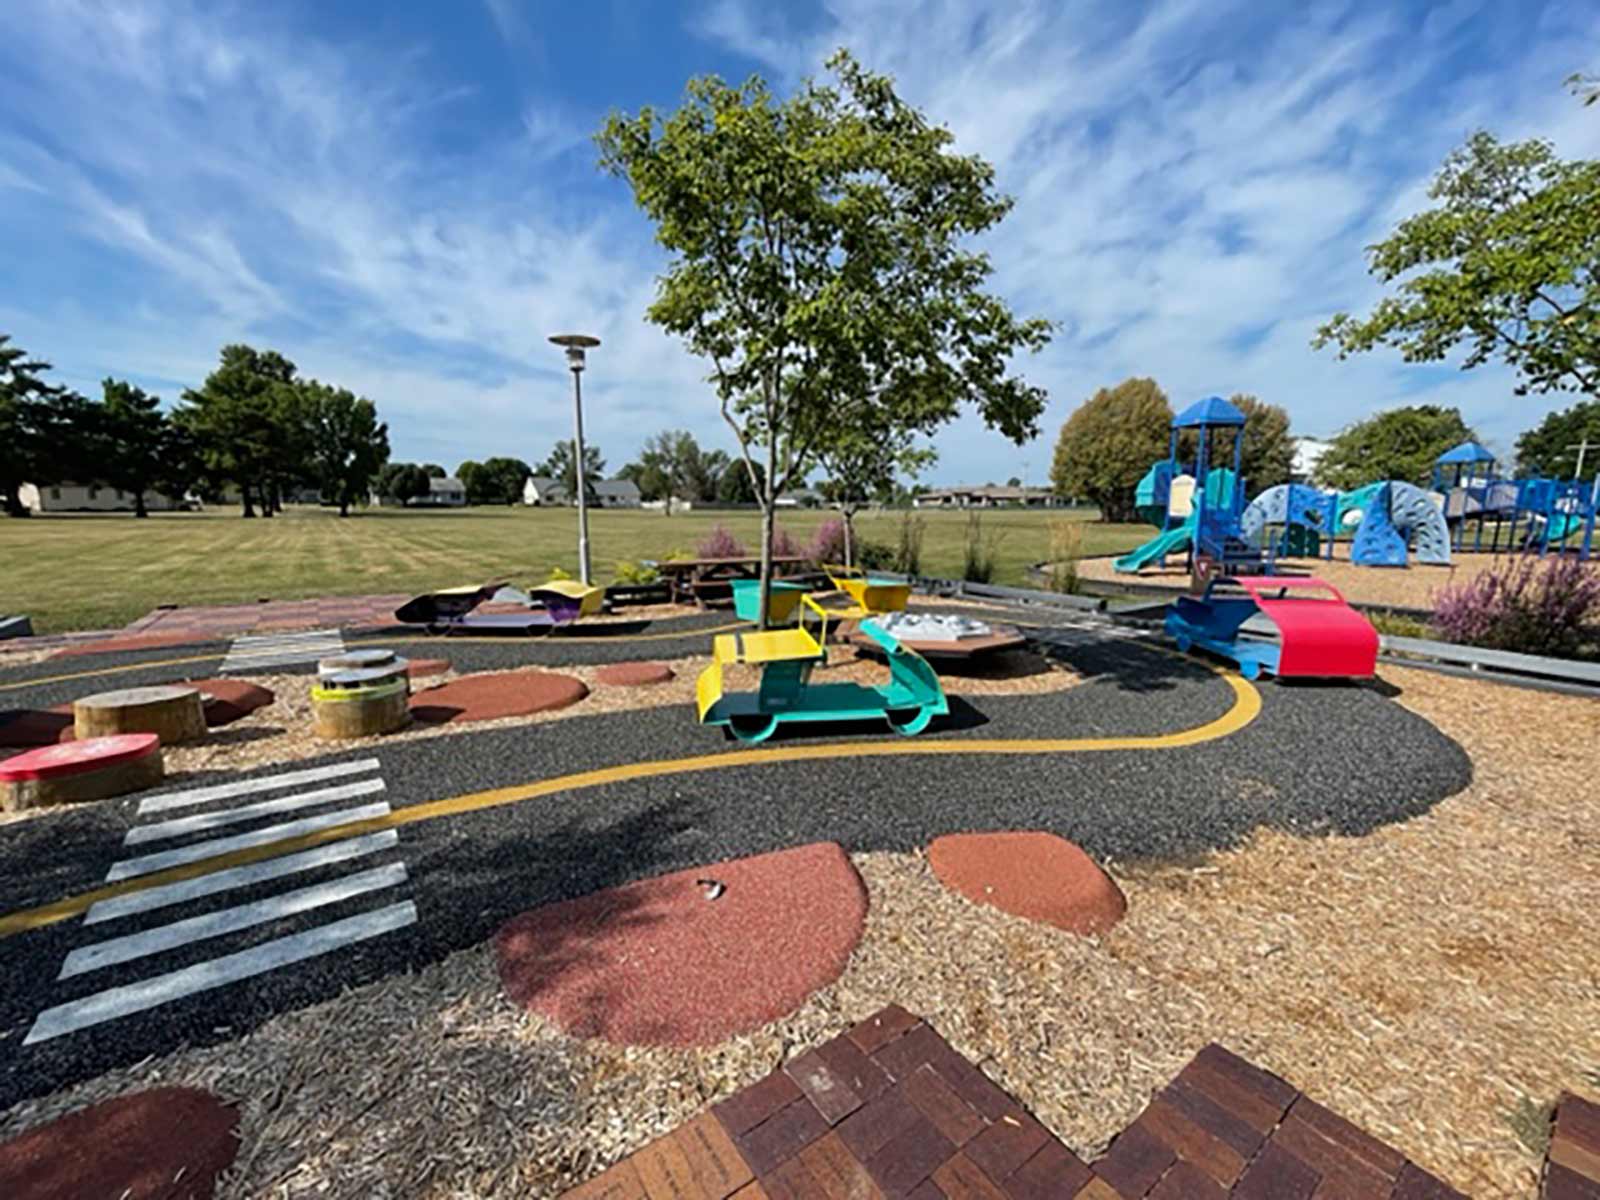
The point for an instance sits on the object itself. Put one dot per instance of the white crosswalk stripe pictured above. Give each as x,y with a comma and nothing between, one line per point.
129,966
253,652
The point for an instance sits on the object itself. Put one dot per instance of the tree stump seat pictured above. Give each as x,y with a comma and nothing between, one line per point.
73,772
173,713
348,704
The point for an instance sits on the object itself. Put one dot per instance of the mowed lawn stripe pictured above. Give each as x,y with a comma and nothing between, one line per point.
97,571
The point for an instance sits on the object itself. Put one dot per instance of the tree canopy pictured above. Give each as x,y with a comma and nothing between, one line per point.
1109,442
562,466
1504,265
672,465
142,450
402,482
862,467
1400,443
1268,454
30,451
821,263
349,444
500,480
1551,447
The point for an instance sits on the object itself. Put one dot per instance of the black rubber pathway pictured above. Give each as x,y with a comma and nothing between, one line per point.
1317,760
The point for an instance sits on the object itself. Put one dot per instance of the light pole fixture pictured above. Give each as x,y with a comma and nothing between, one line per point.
576,344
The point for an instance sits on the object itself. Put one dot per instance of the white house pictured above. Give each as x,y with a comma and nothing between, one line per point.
88,497
1308,452
444,493
541,490
617,493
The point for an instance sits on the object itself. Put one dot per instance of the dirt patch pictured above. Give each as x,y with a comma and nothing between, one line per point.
168,1143
495,695
689,958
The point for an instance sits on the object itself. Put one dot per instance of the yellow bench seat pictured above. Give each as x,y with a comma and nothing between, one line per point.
774,645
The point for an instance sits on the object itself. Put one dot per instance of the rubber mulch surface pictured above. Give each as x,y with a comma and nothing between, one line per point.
489,697
132,1148
1034,875
662,962
639,674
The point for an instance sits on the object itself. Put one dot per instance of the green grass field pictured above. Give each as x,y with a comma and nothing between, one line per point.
101,571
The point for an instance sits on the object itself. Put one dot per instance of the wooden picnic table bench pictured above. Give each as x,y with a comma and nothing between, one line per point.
702,580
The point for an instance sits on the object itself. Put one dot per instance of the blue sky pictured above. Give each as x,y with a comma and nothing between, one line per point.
402,197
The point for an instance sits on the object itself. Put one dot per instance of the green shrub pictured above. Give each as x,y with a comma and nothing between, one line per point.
1066,548
632,571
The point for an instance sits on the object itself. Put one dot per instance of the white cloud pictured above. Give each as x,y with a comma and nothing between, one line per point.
1194,186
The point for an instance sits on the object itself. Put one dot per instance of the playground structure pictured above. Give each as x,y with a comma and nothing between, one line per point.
1391,520
547,607
1198,520
1534,514
787,657
1320,635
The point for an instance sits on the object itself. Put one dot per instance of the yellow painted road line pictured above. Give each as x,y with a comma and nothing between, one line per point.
356,643
1246,707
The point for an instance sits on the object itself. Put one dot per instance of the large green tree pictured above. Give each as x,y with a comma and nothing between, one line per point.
142,449
822,264
1506,264
1268,454
402,482
672,465
349,445
562,466
236,421
1109,442
1551,448
500,480
1400,443
28,452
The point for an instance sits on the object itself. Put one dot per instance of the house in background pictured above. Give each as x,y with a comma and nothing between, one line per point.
987,495
617,493
539,491
1308,452
89,497
443,493
804,497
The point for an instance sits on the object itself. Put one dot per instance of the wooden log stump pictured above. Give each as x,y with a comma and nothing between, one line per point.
84,770
174,714
364,668
364,710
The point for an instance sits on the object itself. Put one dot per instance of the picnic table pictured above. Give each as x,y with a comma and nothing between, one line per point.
702,580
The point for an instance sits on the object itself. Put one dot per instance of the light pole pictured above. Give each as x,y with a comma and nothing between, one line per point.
576,344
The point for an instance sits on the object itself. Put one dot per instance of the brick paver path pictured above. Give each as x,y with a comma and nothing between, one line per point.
890,1110
230,620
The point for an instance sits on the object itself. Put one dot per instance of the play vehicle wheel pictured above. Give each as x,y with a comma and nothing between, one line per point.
757,728
909,722
438,628
1250,670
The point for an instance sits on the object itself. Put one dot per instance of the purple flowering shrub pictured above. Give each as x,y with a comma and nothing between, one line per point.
1523,604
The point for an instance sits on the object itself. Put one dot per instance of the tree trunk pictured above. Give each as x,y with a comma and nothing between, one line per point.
13,505
249,506
849,537
139,509
769,521
344,505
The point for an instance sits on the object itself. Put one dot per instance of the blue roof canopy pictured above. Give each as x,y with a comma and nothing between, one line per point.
1467,452
1213,410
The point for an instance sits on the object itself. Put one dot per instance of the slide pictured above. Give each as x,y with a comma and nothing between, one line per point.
1171,542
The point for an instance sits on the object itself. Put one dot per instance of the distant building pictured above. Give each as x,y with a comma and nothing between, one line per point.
541,490
88,497
987,495
799,498
617,493
443,493
1308,452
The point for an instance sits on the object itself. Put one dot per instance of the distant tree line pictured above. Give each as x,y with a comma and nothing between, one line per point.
255,425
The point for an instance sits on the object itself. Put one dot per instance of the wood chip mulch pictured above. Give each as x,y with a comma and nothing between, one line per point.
1431,982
